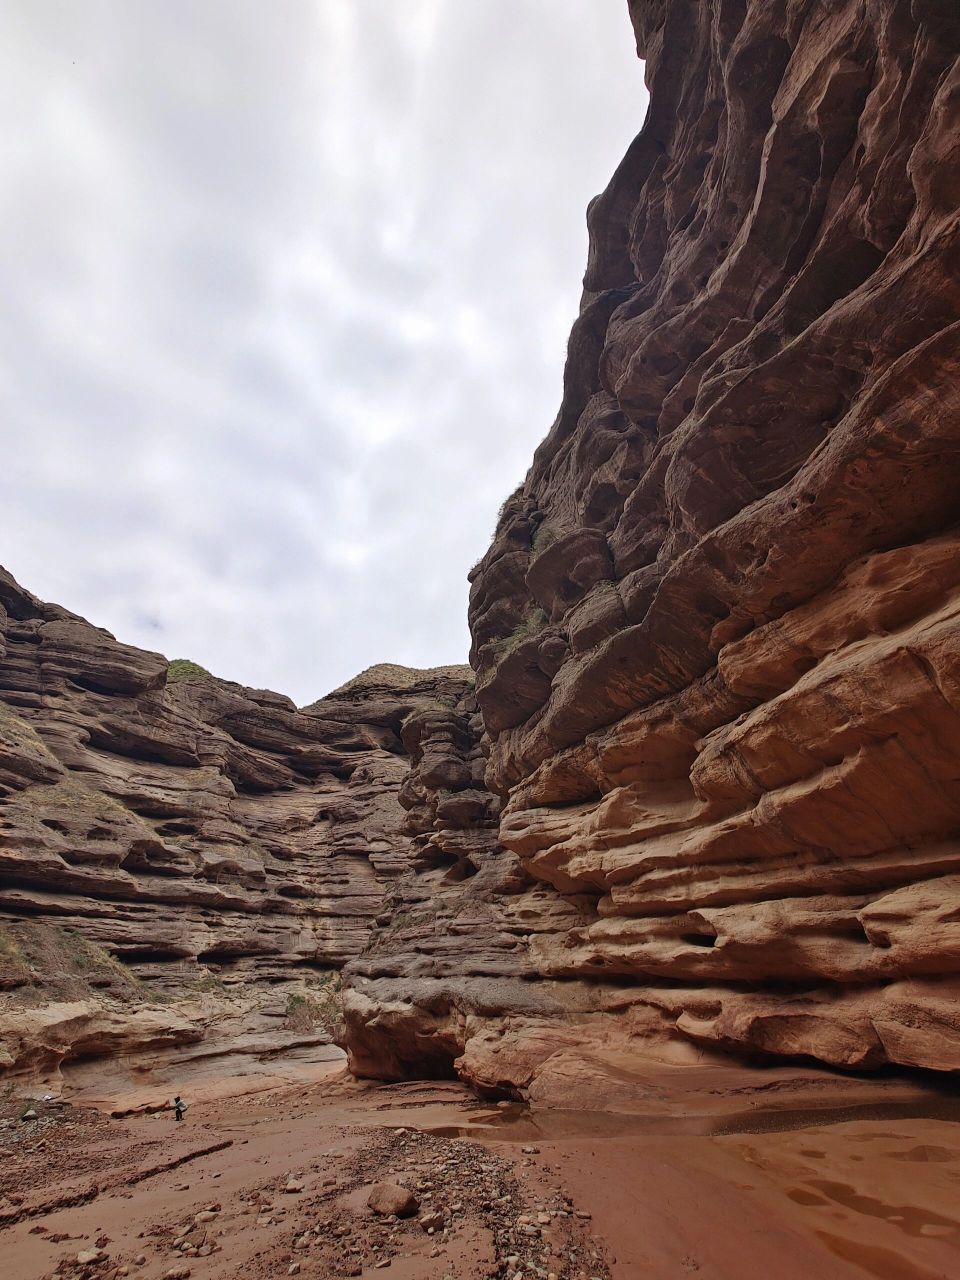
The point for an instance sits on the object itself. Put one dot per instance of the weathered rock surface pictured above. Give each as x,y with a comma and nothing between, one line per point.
203,834
704,796
452,938
390,1198
717,635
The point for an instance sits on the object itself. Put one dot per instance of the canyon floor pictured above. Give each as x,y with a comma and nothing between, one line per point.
862,1179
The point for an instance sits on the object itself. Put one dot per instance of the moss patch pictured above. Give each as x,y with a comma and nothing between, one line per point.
390,675
544,536
535,621
182,669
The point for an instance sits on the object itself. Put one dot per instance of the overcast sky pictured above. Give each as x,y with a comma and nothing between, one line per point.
285,287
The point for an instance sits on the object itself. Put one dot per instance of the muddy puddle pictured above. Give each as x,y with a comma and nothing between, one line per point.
517,1123
865,1189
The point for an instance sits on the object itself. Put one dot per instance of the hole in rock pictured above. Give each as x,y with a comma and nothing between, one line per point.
92,685
155,955
178,828
463,870
699,939
293,891
803,664
215,957
247,787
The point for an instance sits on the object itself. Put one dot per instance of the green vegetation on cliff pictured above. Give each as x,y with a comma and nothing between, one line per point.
184,669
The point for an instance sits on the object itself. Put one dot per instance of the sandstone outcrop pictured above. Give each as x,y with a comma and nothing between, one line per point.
452,935
202,834
702,799
717,635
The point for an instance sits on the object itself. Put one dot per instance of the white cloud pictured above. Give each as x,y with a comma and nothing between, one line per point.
284,292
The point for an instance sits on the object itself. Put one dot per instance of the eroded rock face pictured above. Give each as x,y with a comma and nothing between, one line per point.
197,831
716,636
447,933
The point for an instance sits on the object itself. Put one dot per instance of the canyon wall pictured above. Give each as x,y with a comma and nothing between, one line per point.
702,799
166,836
716,637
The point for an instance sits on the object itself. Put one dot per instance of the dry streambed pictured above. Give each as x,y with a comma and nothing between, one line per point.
154,1201
434,1197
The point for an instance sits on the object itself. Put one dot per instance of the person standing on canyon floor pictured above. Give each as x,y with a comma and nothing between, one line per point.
179,1107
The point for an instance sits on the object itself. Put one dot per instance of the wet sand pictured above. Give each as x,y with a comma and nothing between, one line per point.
852,1190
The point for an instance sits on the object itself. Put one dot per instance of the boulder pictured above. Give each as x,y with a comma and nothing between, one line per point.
389,1198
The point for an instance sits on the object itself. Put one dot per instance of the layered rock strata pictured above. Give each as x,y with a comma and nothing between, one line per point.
200,833
452,940
716,636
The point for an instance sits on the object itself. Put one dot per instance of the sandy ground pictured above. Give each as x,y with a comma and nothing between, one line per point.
275,1183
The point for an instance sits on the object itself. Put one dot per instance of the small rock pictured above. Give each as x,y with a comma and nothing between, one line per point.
293,1269
293,1187
177,1273
205,1215
530,1151
90,1257
29,1115
388,1197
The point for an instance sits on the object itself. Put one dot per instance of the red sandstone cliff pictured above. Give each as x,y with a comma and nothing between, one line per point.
704,797
227,849
716,636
